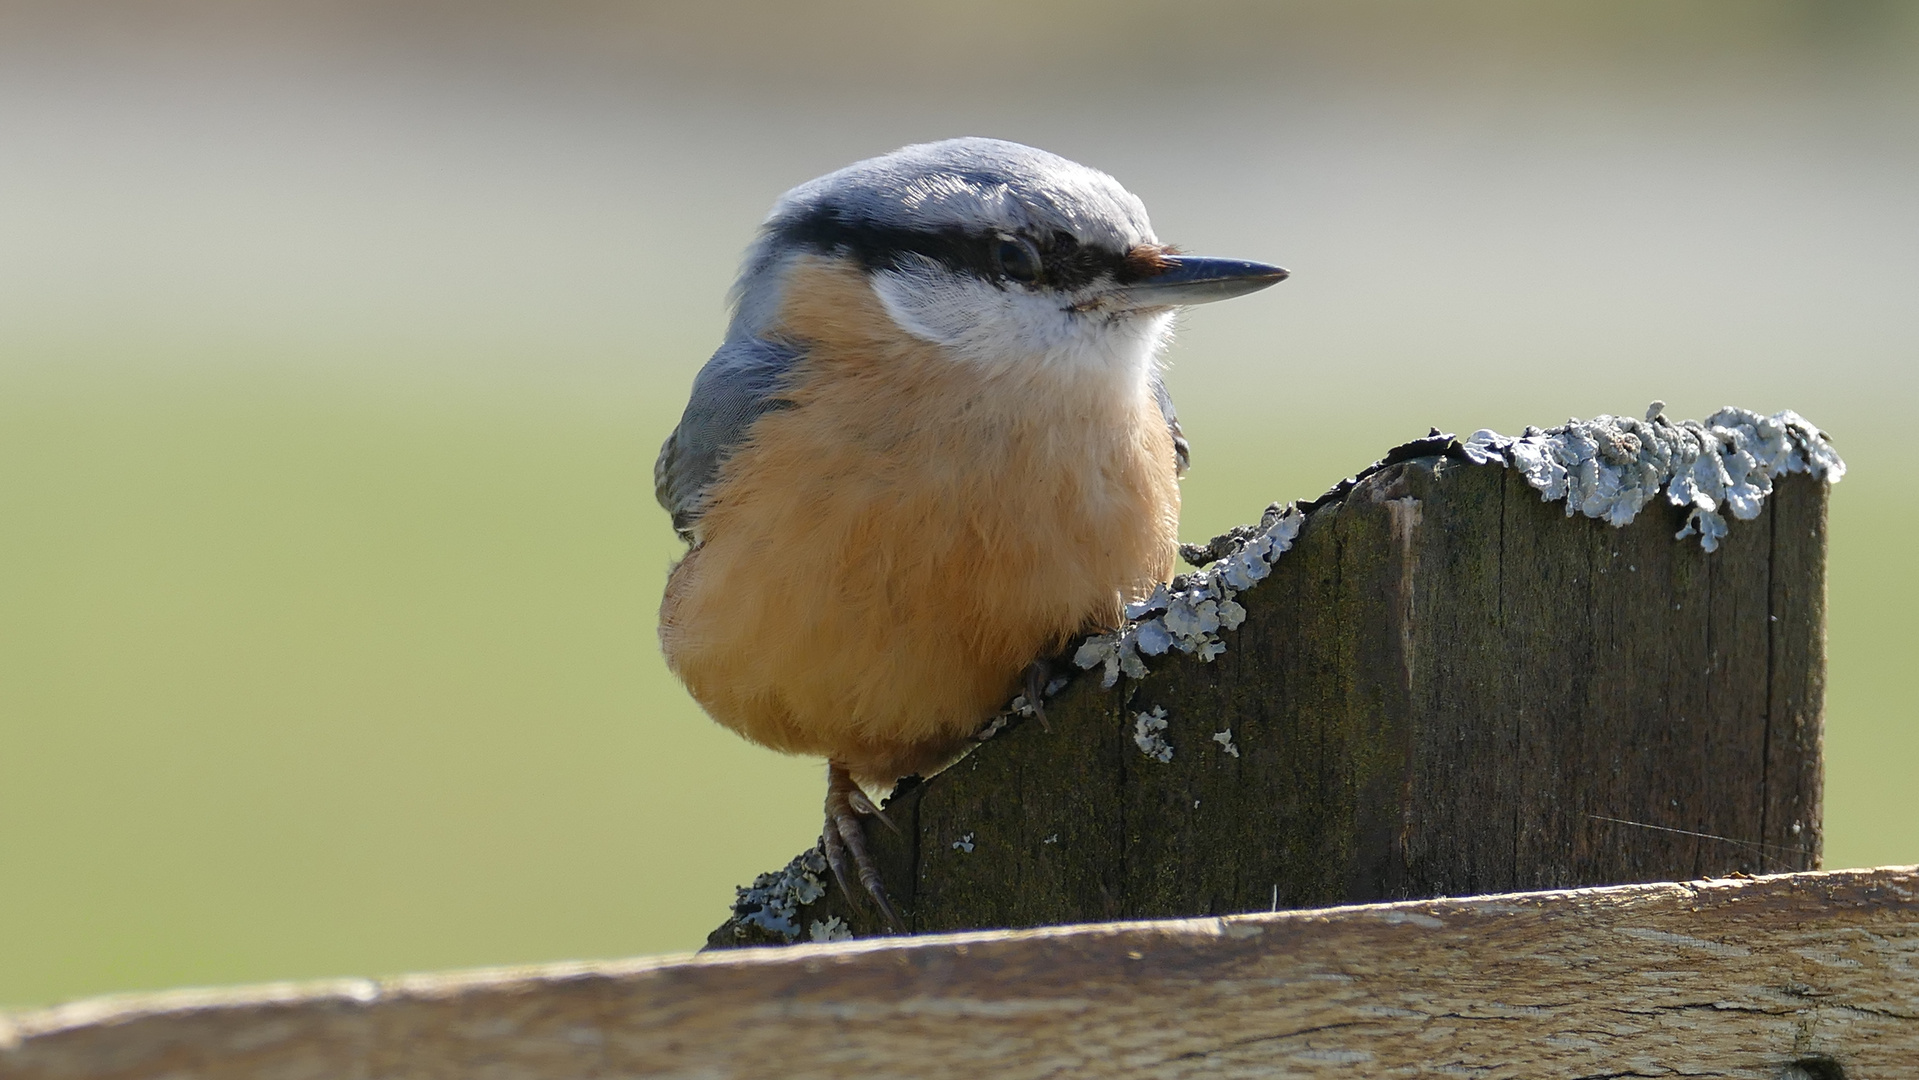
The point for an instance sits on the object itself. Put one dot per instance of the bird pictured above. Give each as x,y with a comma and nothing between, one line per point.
933,448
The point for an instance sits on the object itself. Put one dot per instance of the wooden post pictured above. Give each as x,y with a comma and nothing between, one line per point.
1447,686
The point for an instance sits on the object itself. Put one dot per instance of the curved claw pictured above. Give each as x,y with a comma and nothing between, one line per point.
1038,673
865,807
835,853
845,833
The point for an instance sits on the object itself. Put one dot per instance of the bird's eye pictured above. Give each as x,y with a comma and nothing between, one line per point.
1018,259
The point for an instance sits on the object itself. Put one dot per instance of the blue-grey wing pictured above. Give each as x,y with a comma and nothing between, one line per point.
741,383
1182,450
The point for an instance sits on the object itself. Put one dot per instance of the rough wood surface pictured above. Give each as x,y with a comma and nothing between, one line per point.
1446,687
1809,976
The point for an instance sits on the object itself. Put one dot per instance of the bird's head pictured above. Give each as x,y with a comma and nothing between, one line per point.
1000,253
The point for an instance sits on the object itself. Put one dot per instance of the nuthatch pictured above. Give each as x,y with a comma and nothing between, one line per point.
933,449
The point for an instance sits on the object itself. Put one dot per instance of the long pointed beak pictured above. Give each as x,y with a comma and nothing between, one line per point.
1193,279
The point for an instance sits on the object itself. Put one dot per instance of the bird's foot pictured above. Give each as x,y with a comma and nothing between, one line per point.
845,833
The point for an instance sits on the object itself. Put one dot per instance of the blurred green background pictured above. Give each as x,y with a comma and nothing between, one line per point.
336,341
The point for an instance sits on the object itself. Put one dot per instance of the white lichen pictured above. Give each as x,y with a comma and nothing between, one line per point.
1149,735
964,844
1189,614
1225,741
833,928
1610,467
1054,839
773,901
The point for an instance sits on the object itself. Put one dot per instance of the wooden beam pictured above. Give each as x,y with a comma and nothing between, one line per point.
1810,976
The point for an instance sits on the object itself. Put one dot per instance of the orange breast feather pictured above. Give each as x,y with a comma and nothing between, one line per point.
880,562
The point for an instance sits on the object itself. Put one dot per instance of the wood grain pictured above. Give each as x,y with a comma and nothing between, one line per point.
1811,975
1447,687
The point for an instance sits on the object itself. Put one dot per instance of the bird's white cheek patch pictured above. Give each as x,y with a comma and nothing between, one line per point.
994,327
932,305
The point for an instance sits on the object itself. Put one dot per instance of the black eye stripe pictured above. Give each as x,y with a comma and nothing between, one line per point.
1065,263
